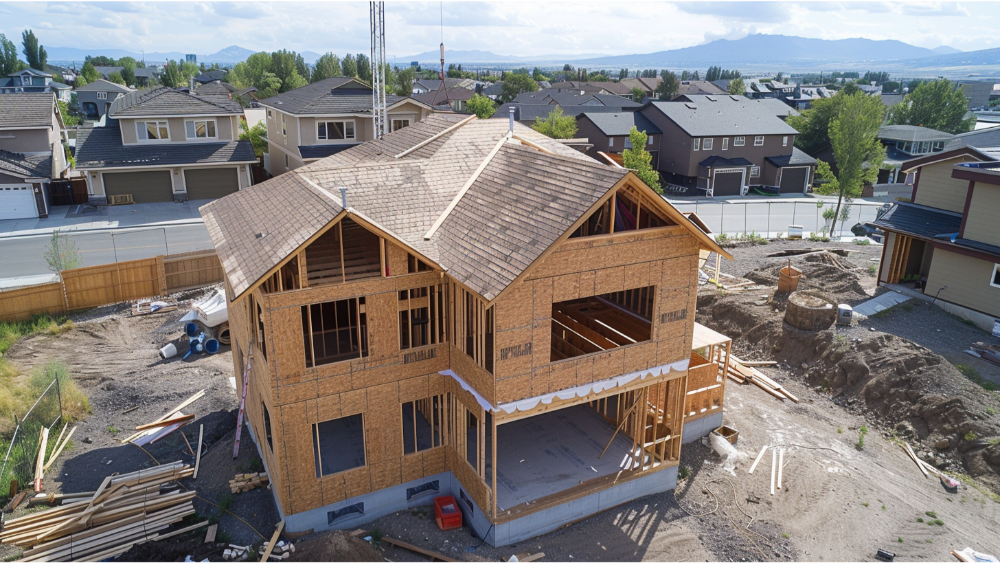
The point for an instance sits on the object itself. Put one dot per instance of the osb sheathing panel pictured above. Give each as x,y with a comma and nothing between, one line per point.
396,259
615,250
478,378
471,482
511,310
414,389
513,364
287,344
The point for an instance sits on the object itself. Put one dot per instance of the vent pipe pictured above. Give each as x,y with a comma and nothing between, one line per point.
512,120
343,197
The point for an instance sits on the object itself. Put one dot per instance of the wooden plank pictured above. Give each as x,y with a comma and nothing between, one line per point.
781,462
197,458
167,422
774,463
210,533
756,461
274,541
40,462
181,531
59,449
415,549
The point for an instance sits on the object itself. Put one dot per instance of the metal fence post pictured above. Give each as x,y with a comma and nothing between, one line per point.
722,217
768,235
795,205
745,217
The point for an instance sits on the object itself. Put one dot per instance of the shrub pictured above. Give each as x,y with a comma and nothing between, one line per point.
861,437
75,404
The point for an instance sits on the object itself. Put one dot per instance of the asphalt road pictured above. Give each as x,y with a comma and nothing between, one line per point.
26,256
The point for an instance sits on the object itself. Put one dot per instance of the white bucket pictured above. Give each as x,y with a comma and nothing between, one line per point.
168,351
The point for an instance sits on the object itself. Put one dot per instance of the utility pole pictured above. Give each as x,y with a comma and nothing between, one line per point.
379,117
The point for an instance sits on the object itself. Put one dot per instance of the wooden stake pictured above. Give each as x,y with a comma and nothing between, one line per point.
197,457
781,462
40,462
59,449
274,540
774,463
756,461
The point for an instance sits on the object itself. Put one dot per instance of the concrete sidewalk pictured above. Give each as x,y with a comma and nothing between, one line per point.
68,218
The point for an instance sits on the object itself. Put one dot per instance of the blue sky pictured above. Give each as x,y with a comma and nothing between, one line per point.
567,28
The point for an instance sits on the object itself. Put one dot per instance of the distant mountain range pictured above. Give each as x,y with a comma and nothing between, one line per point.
476,56
945,50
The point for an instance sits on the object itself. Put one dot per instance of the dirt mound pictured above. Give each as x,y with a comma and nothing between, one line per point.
335,546
843,285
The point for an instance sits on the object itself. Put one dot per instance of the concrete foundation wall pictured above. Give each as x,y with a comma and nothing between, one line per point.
695,429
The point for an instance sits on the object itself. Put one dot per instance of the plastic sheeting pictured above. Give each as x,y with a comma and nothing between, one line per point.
210,311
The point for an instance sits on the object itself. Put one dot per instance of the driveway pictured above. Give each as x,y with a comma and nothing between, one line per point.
89,217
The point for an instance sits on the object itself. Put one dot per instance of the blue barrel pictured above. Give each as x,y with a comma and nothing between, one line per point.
211,345
191,329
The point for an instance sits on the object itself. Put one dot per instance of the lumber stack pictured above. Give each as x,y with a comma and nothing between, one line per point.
247,482
166,424
742,373
126,510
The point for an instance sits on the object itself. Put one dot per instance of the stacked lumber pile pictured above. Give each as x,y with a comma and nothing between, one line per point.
741,372
166,424
247,482
126,510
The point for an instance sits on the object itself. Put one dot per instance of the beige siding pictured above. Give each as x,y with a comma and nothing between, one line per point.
968,281
25,140
223,125
936,187
981,223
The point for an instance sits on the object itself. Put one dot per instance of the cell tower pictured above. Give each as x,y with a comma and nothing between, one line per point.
379,118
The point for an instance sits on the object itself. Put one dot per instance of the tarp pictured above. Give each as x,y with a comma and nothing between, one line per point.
210,311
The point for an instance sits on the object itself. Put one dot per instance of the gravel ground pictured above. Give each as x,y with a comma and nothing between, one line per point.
747,257
114,359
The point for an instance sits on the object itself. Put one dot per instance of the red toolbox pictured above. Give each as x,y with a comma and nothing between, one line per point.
446,513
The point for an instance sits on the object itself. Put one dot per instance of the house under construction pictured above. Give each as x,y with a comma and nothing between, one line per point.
466,307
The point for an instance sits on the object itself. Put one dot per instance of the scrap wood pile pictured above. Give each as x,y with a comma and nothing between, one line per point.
125,510
745,372
166,424
41,465
248,481
147,307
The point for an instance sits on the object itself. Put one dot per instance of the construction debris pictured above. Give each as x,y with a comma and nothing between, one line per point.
149,307
415,549
742,373
60,444
269,546
40,462
126,510
236,553
247,482
802,251
172,420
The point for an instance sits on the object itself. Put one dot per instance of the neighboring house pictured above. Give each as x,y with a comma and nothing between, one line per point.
494,90
889,100
609,133
327,117
531,106
31,153
605,88
754,88
463,309
425,86
803,96
723,145
245,96
946,240
95,98
699,88
977,93
904,142
211,75
33,81
647,85
164,145
983,139
143,76
452,99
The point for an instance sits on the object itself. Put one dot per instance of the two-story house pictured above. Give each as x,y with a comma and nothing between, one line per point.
30,80
95,98
724,145
165,145
946,240
31,153
326,117
608,133
466,307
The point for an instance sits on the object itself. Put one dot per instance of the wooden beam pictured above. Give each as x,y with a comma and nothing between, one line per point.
274,540
415,549
197,458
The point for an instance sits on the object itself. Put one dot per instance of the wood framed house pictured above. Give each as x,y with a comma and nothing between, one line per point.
413,308
945,241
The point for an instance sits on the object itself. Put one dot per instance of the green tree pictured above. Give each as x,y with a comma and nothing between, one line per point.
364,67
302,68
639,161
668,87
81,81
62,254
171,77
128,70
813,124
538,75
270,85
349,66
293,81
69,118
937,105
327,66
116,77
856,148
483,107
891,86
404,81
638,94
33,52
737,87
556,125
89,72
515,84
250,73
9,62
850,89
257,135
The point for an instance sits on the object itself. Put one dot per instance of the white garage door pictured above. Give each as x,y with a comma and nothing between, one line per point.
17,201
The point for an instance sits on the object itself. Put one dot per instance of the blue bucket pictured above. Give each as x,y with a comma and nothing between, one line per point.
191,329
211,345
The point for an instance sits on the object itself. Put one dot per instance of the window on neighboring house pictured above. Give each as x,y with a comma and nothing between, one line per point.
696,144
338,444
102,95
611,141
335,331
421,316
284,130
995,281
649,140
422,424
335,130
755,171
784,141
758,141
398,124
152,131
707,144
200,129
267,426
725,143
270,114
739,141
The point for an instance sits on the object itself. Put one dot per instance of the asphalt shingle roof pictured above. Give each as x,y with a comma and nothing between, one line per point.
983,138
101,147
308,152
530,112
27,109
716,161
102,85
919,220
797,158
35,165
621,123
912,133
327,97
726,115
167,102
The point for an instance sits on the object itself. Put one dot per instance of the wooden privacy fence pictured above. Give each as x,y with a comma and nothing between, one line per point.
94,286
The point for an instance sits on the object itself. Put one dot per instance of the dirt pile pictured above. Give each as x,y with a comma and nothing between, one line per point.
844,285
895,382
335,546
